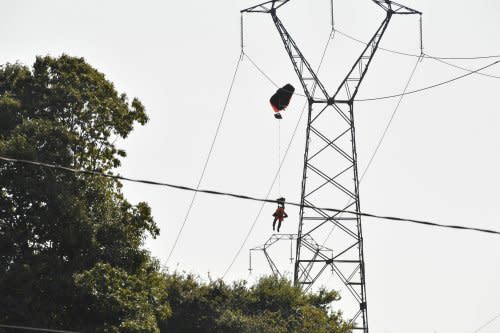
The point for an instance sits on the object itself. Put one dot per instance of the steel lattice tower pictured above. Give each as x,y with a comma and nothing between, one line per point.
330,170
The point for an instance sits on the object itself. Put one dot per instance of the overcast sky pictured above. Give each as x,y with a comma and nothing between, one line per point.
439,161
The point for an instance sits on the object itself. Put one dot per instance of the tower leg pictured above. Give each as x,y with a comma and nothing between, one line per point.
330,179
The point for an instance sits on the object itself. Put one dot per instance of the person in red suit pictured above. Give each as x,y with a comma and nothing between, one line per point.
279,214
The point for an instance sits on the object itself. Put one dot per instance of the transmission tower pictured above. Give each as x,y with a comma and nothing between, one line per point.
330,171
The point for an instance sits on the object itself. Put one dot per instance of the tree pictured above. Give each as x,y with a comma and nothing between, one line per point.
271,305
121,302
60,231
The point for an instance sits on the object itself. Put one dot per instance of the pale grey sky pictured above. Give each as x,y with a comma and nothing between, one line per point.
439,160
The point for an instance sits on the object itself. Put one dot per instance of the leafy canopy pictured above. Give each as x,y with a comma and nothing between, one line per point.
58,229
271,305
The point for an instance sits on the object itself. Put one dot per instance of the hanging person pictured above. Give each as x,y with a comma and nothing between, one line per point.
279,214
280,100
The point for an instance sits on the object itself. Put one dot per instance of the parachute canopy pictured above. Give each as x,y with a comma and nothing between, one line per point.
281,99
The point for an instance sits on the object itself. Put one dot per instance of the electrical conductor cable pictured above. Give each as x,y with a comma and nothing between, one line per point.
242,196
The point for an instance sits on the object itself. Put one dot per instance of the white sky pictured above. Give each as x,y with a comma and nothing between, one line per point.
439,160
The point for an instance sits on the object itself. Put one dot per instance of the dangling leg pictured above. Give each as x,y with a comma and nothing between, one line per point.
279,225
274,223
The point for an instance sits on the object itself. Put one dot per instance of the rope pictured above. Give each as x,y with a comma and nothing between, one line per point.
246,197
279,158
193,199
267,76
261,71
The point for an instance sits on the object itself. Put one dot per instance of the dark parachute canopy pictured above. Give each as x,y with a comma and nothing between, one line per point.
281,99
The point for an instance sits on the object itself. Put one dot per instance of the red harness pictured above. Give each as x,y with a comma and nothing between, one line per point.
279,213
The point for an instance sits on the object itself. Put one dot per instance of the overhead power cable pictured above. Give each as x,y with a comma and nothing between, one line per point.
489,322
461,67
241,196
219,125
439,59
398,95
261,208
381,48
418,55
429,87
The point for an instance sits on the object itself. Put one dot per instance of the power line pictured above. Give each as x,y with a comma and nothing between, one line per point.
418,55
241,196
470,58
193,199
407,93
26,328
487,323
381,48
429,87
461,67
439,59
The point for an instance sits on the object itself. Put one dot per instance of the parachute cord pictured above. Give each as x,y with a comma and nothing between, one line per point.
279,158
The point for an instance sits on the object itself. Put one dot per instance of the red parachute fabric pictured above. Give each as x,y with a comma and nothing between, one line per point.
280,100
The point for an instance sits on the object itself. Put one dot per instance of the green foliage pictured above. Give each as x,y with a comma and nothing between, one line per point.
120,302
271,305
55,226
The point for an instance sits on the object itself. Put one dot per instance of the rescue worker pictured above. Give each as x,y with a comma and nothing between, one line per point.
280,214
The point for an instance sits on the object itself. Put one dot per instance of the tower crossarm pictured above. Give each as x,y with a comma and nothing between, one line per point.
308,78
396,8
349,87
265,7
